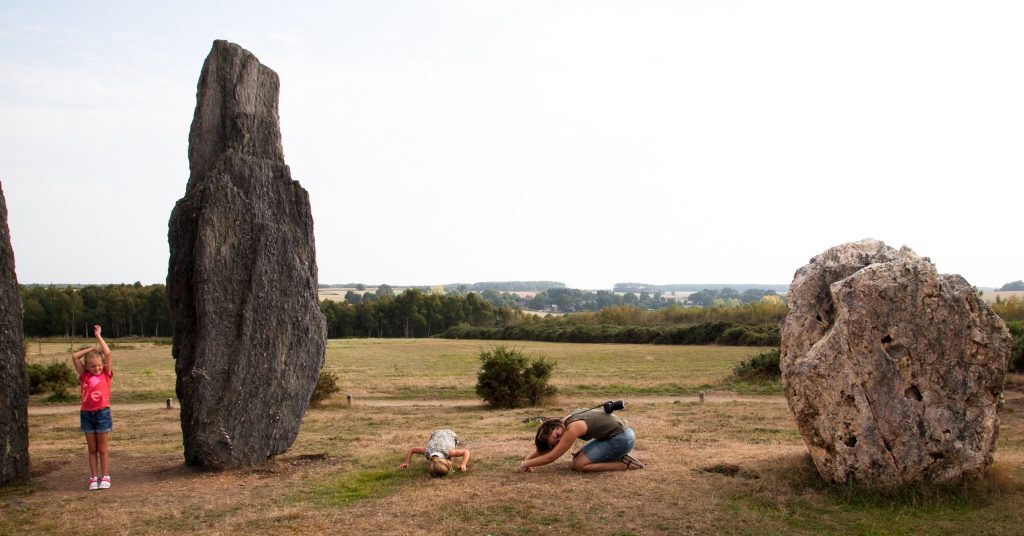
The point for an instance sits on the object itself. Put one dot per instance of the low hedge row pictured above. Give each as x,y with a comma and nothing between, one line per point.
725,333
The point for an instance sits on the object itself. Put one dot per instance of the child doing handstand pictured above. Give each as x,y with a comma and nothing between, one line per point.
94,374
439,452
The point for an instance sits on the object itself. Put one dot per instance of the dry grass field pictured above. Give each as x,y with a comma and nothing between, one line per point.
733,465
990,297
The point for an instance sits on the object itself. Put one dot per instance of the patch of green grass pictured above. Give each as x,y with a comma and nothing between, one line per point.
359,485
925,497
447,392
752,387
662,389
361,482
131,397
794,498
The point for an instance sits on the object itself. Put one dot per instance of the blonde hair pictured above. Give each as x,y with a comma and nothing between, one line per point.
93,354
439,466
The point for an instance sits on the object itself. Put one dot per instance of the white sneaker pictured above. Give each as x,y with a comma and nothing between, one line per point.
94,483
105,483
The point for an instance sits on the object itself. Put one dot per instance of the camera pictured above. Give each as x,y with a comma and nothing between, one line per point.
613,405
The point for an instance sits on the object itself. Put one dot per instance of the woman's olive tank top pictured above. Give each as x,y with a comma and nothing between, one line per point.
600,425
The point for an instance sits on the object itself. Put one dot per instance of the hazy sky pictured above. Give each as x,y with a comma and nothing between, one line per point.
586,142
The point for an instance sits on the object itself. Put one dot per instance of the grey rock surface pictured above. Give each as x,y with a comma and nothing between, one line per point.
14,466
893,372
248,335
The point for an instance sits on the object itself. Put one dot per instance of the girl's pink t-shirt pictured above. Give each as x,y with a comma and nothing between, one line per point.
95,390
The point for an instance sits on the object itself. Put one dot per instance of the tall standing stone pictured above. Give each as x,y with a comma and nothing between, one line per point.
248,335
13,388
893,372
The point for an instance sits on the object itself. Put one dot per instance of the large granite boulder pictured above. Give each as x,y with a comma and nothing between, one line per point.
13,380
248,334
893,372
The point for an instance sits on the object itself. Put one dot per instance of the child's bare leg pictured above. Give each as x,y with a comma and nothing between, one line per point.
101,448
90,440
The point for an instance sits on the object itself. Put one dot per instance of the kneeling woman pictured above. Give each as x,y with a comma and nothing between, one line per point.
610,437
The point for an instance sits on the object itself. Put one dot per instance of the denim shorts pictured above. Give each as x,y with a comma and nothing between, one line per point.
96,422
611,449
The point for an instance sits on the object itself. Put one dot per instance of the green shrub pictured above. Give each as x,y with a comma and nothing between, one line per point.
57,378
326,385
1017,354
1016,363
510,379
761,367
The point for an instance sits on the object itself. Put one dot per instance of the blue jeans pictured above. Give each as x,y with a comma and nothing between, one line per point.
96,422
611,449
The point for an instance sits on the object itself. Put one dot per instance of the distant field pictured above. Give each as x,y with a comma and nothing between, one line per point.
335,294
990,297
403,369
338,293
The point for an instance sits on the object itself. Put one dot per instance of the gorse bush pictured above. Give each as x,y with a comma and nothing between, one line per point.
761,367
56,378
510,379
326,385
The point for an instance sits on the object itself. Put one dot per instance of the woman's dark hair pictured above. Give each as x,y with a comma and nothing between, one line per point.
544,431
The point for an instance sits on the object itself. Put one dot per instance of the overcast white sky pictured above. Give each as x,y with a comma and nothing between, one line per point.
586,142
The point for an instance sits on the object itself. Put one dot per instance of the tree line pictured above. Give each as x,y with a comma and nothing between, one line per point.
572,300
561,299
122,310
690,287
729,296
412,313
753,324
725,333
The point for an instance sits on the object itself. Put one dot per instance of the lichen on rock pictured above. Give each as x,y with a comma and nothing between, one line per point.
893,372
